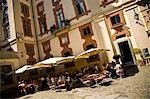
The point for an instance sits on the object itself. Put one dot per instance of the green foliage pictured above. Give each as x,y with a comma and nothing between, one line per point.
136,50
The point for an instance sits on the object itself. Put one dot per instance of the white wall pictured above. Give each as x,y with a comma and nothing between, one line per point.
103,34
138,31
55,46
76,42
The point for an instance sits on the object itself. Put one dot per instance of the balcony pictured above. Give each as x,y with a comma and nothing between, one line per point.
55,29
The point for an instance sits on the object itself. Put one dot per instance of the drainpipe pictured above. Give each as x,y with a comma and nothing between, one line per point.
35,30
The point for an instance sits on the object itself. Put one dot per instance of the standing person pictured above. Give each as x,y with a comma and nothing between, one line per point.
96,69
44,84
119,70
67,82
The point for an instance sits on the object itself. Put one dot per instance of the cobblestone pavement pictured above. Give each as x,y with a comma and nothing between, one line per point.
133,87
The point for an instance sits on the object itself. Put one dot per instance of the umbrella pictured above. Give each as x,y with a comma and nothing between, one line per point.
90,52
51,60
40,66
22,69
67,59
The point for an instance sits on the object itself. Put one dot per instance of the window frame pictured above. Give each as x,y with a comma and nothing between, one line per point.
65,54
116,19
25,9
42,19
26,23
40,4
122,19
64,40
105,3
62,36
60,17
46,43
76,9
87,46
55,3
7,33
81,29
31,46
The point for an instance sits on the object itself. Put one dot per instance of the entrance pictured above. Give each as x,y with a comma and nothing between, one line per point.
126,53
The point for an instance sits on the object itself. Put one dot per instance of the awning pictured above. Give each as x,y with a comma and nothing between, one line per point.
90,52
22,69
51,60
67,59
41,66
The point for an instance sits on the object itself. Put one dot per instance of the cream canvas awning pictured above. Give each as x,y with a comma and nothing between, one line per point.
51,60
90,52
67,59
23,69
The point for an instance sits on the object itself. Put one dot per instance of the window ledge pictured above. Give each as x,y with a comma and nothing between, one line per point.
46,32
28,36
78,16
60,29
117,25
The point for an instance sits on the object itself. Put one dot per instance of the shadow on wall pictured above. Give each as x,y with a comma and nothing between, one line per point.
130,70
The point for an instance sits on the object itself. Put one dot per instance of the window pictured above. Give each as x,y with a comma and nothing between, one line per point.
107,2
66,54
5,16
60,18
42,23
146,52
55,2
5,19
40,8
115,19
90,46
24,9
86,30
29,49
27,27
7,32
5,13
31,62
46,46
6,75
79,7
64,40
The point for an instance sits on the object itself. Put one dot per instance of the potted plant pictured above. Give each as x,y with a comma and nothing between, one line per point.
138,56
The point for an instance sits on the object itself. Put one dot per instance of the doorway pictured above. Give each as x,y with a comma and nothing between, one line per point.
126,53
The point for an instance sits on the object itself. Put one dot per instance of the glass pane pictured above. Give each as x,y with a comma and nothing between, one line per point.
80,6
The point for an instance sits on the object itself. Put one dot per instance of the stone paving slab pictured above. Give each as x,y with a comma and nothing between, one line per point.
133,87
